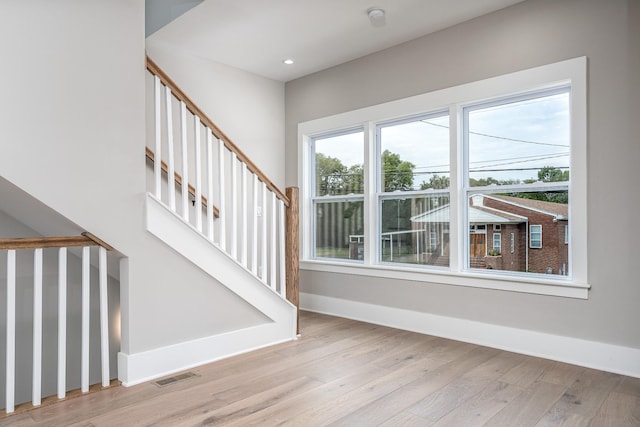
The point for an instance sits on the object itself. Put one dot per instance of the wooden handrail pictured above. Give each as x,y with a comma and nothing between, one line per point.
180,95
178,179
86,239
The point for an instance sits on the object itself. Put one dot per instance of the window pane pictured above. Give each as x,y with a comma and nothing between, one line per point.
339,229
519,142
415,230
339,164
415,154
531,226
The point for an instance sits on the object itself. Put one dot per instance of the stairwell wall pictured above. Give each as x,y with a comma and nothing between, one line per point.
72,135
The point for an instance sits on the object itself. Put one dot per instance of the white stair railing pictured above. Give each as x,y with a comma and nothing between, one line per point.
34,247
245,213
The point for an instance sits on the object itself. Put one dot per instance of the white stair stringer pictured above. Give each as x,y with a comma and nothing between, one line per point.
187,241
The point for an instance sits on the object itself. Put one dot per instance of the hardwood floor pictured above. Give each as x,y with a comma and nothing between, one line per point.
347,373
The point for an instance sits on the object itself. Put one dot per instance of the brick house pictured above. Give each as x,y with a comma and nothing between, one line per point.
505,233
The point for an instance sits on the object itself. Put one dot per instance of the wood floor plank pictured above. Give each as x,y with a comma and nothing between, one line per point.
620,410
433,380
343,372
406,419
481,407
459,391
529,407
582,399
527,372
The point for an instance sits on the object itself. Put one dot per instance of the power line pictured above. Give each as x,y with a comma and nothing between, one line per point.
500,137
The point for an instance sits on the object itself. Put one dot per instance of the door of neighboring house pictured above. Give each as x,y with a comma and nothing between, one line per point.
477,245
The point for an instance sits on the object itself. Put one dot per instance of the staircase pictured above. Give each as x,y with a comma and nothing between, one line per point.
207,202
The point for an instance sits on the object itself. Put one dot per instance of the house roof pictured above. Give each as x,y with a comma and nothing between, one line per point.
480,214
477,215
559,210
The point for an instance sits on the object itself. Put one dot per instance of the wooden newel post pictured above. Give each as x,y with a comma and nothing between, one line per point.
293,250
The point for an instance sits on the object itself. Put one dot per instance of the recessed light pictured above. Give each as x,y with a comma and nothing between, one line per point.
288,61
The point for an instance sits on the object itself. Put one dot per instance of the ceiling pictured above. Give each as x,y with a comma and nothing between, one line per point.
257,35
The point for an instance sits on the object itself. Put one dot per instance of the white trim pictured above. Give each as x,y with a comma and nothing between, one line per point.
148,365
592,354
502,280
185,239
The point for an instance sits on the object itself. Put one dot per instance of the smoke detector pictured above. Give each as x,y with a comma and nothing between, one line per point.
376,16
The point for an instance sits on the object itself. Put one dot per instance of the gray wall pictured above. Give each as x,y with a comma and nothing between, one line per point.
529,34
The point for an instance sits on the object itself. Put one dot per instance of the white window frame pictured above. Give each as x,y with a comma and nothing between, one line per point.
315,199
499,240
531,233
512,242
576,285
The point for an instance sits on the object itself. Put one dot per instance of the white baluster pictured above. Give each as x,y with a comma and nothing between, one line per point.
62,323
104,316
281,251
198,159
157,171
263,272
254,245
170,156
10,387
273,233
221,207
185,161
243,210
209,184
36,390
86,293
233,206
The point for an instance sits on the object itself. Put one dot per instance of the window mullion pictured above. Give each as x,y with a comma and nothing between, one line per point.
456,186
371,212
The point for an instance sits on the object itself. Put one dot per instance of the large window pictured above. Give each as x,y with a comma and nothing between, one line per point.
517,167
427,188
338,183
412,160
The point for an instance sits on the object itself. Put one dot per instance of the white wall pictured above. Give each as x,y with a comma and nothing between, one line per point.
248,108
529,34
73,136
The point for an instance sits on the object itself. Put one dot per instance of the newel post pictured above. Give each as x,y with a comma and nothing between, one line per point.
293,250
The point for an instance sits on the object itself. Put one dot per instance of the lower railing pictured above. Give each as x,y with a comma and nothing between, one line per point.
252,220
19,252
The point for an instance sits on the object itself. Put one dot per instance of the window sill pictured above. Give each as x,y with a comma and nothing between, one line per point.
532,285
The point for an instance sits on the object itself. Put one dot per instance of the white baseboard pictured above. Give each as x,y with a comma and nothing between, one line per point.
149,365
591,354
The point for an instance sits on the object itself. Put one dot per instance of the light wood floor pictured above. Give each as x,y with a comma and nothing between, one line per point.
348,373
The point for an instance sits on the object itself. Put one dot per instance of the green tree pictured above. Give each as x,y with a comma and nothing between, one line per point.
548,174
330,173
397,173
552,174
436,182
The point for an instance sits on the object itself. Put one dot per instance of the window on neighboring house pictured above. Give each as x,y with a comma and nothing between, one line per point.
338,187
566,234
433,240
497,242
535,236
416,183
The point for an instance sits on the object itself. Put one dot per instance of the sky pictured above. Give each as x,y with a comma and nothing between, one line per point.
506,141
